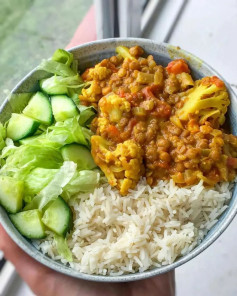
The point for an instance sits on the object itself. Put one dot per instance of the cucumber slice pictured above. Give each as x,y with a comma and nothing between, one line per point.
78,154
21,126
11,194
29,224
63,107
28,140
58,217
49,86
39,108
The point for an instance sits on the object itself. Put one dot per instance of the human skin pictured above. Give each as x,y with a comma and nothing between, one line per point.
46,282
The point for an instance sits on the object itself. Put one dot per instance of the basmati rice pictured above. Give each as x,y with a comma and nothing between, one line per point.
148,228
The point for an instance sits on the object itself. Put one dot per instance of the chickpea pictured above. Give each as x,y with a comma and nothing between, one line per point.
143,62
128,80
192,153
202,143
206,129
122,72
215,154
151,64
185,133
190,164
114,60
106,90
165,156
134,65
174,130
125,64
163,143
179,167
145,69
149,181
206,165
136,51
102,84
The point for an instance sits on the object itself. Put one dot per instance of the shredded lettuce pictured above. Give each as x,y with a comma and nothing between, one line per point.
60,84
57,68
2,136
63,56
87,114
55,187
34,156
82,181
62,133
62,247
70,131
37,179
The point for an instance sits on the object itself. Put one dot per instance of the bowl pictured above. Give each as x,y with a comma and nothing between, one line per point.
89,54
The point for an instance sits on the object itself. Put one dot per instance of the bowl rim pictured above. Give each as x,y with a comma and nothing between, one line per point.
59,267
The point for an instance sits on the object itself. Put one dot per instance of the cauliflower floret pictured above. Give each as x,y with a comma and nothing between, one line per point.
102,125
91,93
99,72
122,165
113,107
208,98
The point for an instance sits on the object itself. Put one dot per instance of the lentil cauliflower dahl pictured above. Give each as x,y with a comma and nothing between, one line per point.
158,122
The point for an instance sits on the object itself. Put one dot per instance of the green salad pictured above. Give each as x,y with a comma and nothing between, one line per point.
45,156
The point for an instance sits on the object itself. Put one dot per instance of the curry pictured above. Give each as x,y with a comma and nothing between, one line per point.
157,122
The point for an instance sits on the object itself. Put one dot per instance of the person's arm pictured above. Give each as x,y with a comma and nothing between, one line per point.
46,282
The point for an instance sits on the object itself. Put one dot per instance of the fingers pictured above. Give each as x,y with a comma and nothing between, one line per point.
162,285
29,269
46,282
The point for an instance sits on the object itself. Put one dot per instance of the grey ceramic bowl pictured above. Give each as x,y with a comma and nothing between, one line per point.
89,54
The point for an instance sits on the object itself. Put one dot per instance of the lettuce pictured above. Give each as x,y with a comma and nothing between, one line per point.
87,114
37,179
61,64
2,136
63,56
56,68
62,133
82,181
62,247
33,156
70,131
60,84
55,187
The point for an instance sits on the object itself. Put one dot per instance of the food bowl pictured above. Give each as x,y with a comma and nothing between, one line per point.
88,55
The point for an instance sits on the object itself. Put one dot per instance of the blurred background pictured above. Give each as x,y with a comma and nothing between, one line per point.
31,30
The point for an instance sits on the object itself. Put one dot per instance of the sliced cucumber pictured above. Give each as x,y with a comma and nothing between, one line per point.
11,194
39,108
63,107
49,86
58,217
29,224
21,126
28,140
80,155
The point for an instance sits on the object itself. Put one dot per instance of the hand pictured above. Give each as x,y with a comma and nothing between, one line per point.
45,282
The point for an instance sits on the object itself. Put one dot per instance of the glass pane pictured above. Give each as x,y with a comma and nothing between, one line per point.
31,30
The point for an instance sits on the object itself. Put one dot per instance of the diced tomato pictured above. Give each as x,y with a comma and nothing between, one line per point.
113,133
213,80
163,109
232,162
147,91
121,93
177,67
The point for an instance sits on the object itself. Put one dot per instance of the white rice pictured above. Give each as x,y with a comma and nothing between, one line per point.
149,227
